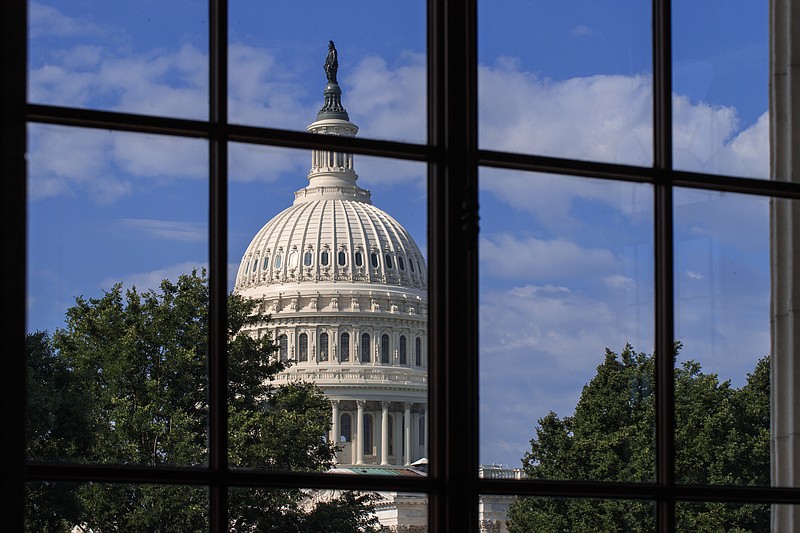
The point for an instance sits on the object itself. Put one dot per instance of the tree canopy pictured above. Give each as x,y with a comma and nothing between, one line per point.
721,437
125,382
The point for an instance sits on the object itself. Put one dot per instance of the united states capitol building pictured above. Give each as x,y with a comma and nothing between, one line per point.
346,288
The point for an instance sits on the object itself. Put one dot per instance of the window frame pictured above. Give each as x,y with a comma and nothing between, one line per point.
453,160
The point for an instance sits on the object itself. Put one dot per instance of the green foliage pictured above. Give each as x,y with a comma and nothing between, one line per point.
126,383
721,437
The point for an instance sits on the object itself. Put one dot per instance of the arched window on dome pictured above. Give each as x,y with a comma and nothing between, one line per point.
278,260
255,264
283,344
367,434
346,425
374,259
341,258
388,259
365,355
307,258
400,263
292,261
325,258
385,349
344,347
402,350
418,352
303,348
266,263
411,265
421,431
359,259
323,346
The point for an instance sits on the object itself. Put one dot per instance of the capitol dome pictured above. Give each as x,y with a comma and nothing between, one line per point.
345,287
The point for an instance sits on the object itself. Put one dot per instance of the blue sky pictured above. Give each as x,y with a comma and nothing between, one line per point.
566,263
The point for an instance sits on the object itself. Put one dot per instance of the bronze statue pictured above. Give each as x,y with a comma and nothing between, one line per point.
331,63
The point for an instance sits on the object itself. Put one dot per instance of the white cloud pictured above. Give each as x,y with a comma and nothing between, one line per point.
168,229
580,31
144,281
47,20
505,255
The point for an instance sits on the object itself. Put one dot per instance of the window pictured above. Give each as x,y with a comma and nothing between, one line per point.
366,357
400,263
359,259
402,350
324,258
283,348
307,258
266,263
385,349
342,258
388,259
303,348
346,422
323,346
454,159
344,347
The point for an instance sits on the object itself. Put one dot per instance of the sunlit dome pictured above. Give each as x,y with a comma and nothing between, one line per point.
332,233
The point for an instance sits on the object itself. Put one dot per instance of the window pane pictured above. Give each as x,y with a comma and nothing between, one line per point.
144,57
58,506
275,209
277,76
570,514
117,297
566,309
722,322
566,79
720,82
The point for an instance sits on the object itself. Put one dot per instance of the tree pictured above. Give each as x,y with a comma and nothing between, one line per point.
125,382
722,437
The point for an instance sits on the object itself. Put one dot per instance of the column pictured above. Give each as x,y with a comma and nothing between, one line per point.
407,414
335,424
360,432
784,99
425,427
384,433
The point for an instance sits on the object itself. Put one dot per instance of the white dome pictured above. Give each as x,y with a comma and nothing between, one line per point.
333,239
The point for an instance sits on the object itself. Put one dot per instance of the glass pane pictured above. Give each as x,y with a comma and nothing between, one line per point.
277,77
720,82
722,322
342,511
566,307
116,306
526,514
146,57
56,506
566,79
359,394
715,516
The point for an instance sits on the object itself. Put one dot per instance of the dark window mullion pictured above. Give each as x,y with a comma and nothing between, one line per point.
452,237
663,250
218,249
13,219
